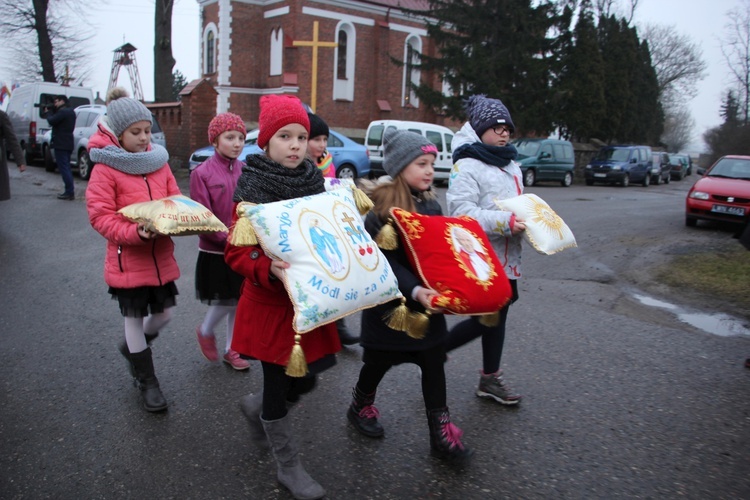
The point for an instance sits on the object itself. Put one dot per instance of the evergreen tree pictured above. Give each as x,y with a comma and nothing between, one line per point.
581,89
501,48
647,117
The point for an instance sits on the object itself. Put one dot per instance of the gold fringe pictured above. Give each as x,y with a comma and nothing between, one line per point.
363,202
418,324
397,318
297,366
490,319
387,239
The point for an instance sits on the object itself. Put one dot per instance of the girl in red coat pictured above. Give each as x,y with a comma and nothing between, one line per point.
263,325
139,265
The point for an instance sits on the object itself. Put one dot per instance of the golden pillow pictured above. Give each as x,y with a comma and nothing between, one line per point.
174,216
545,230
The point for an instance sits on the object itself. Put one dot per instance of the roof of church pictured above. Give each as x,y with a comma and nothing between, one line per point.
406,4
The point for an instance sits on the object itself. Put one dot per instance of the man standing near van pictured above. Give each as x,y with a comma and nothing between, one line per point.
62,119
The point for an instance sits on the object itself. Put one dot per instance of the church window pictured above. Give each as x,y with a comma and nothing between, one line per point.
209,50
344,61
341,57
277,51
412,50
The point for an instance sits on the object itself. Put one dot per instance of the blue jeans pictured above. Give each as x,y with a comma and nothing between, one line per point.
63,164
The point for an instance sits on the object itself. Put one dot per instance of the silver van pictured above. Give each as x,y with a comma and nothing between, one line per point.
437,134
545,160
27,112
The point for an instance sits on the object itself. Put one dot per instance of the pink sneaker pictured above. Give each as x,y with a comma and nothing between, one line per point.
234,360
207,344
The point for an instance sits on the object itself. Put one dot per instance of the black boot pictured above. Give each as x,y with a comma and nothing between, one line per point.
145,380
123,348
345,336
445,438
363,414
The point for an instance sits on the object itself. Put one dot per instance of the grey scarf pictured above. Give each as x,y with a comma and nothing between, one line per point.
265,181
131,163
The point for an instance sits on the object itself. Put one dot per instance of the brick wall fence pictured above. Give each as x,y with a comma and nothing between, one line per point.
185,123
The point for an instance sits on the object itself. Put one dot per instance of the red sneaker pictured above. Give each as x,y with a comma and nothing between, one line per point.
234,360
207,344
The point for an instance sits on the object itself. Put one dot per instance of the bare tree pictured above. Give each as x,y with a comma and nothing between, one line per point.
163,59
607,8
678,63
678,128
46,26
735,47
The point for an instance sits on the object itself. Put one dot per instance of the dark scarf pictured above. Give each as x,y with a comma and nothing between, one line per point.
265,181
498,156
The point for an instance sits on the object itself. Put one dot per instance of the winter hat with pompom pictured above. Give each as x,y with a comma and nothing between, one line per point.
485,113
123,111
278,111
224,122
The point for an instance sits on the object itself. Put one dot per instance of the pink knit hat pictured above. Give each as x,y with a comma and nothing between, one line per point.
278,111
223,122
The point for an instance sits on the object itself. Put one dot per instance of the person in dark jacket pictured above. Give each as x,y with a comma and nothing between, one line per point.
409,160
62,119
8,140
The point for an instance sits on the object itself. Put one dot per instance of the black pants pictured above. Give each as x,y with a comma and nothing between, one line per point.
431,361
493,337
278,388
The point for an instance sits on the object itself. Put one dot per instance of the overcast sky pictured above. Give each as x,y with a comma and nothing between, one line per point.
118,21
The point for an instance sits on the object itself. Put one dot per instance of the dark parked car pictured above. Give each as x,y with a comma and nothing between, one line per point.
722,194
682,166
620,165
661,168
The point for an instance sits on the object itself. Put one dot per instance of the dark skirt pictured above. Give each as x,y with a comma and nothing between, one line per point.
215,282
136,302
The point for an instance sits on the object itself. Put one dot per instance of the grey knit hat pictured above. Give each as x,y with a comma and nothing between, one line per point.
401,147
123,111
485,113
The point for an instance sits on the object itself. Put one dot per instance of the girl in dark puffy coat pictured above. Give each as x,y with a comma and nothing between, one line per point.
409,160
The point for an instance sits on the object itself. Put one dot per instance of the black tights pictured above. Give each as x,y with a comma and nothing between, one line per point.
431,362
279,388
493,337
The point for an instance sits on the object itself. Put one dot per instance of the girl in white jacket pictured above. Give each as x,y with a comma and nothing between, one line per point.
484,171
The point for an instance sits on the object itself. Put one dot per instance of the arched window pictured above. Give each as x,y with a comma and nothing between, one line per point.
277,51
209,49
344,61
412,51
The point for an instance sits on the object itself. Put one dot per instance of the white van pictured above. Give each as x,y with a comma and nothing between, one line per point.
27,114
437,134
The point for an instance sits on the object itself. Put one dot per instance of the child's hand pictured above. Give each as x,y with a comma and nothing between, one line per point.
277,268
424,297
146,234
518,227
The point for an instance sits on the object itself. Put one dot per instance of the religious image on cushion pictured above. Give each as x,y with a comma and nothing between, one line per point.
453,256
545,230
175,215
336,268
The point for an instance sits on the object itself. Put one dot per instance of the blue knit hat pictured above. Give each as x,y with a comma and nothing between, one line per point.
485,113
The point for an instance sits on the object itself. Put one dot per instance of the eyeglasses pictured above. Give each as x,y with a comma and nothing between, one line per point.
502,130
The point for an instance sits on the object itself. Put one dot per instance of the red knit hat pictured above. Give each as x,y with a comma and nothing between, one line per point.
223,122
278,111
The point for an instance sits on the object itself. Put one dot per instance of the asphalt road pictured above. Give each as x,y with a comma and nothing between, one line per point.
622,400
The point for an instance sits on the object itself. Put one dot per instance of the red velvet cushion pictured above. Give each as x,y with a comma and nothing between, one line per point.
467,285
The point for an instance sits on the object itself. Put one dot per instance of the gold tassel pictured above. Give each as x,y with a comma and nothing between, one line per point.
297,365
418,324
387,239
490,319
397,318
363,202
243,234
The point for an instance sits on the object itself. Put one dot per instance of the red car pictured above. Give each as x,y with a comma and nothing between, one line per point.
722,194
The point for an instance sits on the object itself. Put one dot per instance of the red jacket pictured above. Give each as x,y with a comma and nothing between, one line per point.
129,262
263,325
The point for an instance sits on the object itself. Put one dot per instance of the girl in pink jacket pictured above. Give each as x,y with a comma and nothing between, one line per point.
139,266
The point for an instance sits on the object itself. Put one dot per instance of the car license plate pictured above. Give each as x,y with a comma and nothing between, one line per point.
723,209
600,175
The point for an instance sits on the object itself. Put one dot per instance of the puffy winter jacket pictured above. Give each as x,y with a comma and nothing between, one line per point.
129,261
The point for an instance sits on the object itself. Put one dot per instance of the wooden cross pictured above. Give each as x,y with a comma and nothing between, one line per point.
315,43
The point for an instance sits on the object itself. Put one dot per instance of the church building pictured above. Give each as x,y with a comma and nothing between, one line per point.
335,55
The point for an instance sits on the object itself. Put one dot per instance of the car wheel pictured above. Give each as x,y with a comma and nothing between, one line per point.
567,180
646,181
689,171
346,172
28,155
625,182
657,181
49,162
529,178
667,179
680,175
691,221
84,165
589,182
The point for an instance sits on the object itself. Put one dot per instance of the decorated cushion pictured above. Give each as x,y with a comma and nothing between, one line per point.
336,268
174,216
545,230
453,256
